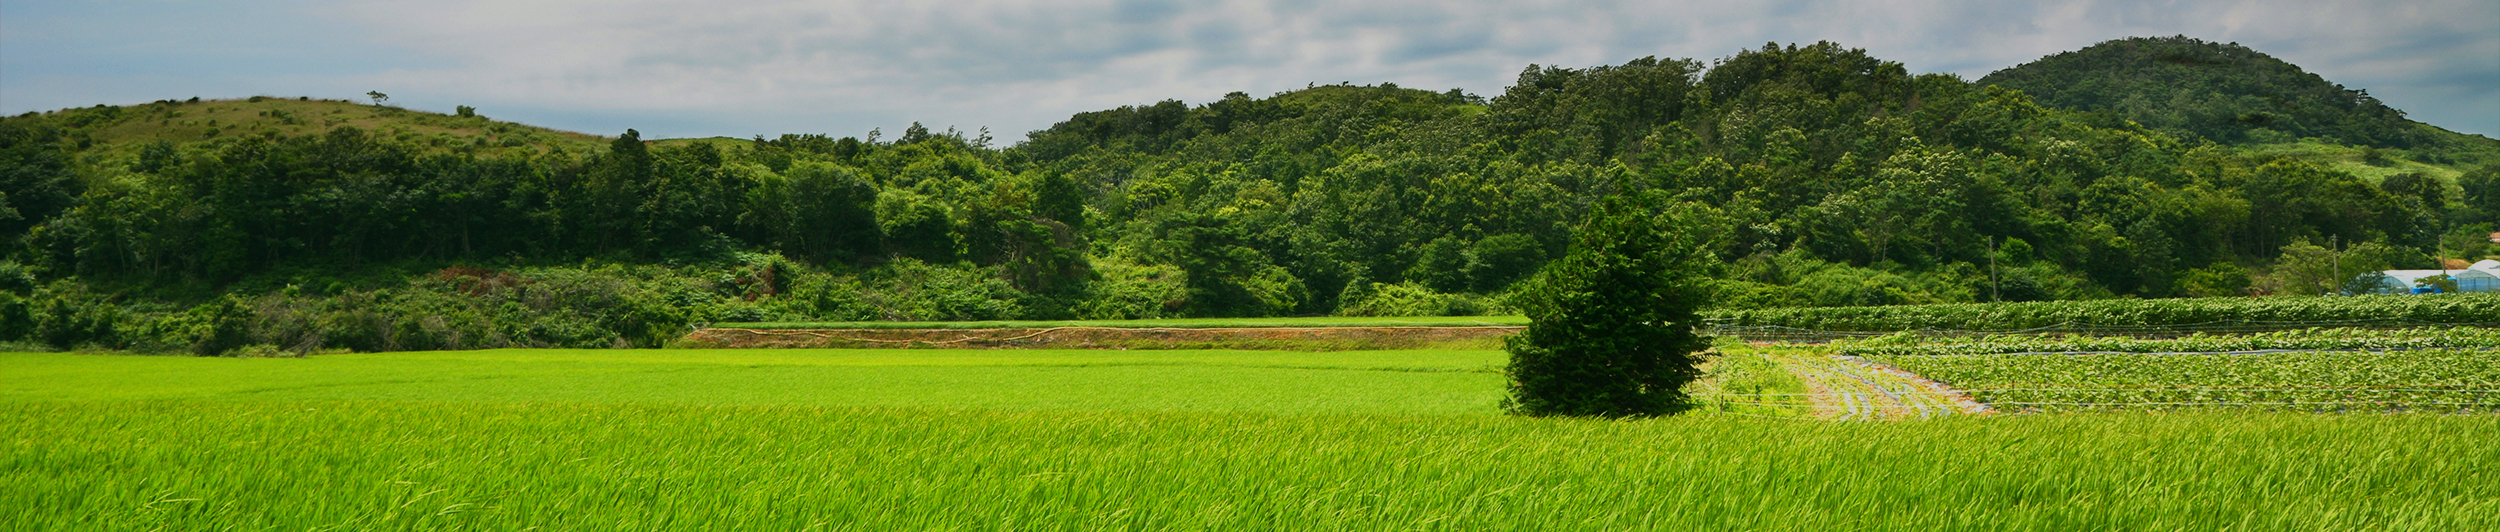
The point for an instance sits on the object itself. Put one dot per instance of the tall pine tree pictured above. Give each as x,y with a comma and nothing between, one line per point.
1610,328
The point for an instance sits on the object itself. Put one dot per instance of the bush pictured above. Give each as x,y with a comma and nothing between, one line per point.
1844,286
1743,295
69,318
17,318
1404,299
1610,328
1133,292
14,278
220,327
911,290
1499,260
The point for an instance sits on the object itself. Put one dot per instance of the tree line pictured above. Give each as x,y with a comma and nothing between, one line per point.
1816,175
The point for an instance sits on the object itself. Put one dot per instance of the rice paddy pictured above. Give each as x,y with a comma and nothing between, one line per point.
1130,440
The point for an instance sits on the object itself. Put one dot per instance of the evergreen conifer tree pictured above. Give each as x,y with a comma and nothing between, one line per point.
1610,328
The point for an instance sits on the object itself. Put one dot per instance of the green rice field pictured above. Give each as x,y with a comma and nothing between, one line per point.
1129,440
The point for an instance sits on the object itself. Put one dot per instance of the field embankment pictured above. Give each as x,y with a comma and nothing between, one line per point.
1095,337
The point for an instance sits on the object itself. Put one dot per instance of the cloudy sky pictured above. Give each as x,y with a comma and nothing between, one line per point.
681,68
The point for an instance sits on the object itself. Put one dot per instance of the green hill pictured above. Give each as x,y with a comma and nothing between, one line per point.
2230,94
124,130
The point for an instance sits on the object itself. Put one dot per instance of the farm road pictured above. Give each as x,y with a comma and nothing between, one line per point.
1851,388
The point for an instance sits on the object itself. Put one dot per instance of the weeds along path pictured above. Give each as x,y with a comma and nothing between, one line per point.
1851,388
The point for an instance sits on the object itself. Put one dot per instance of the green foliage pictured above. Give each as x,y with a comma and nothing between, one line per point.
1129,292
910,290
2450,308
2224,92
1441,265
17,318
2222,279
221,326
1835,177
1405,299
559,439
1499,260
37,181
2313,339
67,316
2480,201
2448,381
2306,269
1610,329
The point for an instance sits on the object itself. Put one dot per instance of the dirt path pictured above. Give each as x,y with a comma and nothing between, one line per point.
1851,388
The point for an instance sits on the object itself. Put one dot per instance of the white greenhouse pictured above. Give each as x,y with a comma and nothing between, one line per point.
2481,277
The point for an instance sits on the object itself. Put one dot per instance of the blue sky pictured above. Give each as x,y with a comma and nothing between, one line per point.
684,68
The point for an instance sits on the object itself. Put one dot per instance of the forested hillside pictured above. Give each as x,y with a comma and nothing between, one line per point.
2224,92
1829,178
2233,95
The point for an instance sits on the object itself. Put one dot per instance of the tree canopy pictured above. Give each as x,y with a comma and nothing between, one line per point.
1818,174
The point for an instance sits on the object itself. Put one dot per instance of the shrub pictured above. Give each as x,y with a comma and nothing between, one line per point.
70,318
1404,299
220,327
1129,292
17,318
911,290
1610,328
1499,260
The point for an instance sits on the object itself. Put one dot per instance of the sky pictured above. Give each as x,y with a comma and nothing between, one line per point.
699,68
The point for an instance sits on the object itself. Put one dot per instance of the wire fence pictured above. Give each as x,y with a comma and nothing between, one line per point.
1776,333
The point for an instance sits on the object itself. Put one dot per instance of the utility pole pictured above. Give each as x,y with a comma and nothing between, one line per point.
2335,278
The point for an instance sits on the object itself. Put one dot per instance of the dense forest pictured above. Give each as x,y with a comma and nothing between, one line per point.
1827,178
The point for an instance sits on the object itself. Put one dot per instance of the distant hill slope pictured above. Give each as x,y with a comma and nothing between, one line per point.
2225,92
123,130
2234,95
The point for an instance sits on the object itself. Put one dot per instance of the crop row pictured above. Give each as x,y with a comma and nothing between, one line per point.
2431,380
1907,344
2444,308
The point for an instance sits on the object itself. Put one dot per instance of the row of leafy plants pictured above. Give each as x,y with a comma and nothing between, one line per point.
2435,380
2344,338
2122,313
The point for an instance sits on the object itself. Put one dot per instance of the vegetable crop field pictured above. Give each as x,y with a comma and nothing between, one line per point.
1132,440
2332,370
2306,339
2439,381
2132,314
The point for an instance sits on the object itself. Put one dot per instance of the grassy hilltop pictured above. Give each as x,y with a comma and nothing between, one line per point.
120,132
2241,97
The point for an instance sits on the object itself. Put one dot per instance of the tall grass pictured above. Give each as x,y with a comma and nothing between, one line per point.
1138,440
393,465
1405,382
